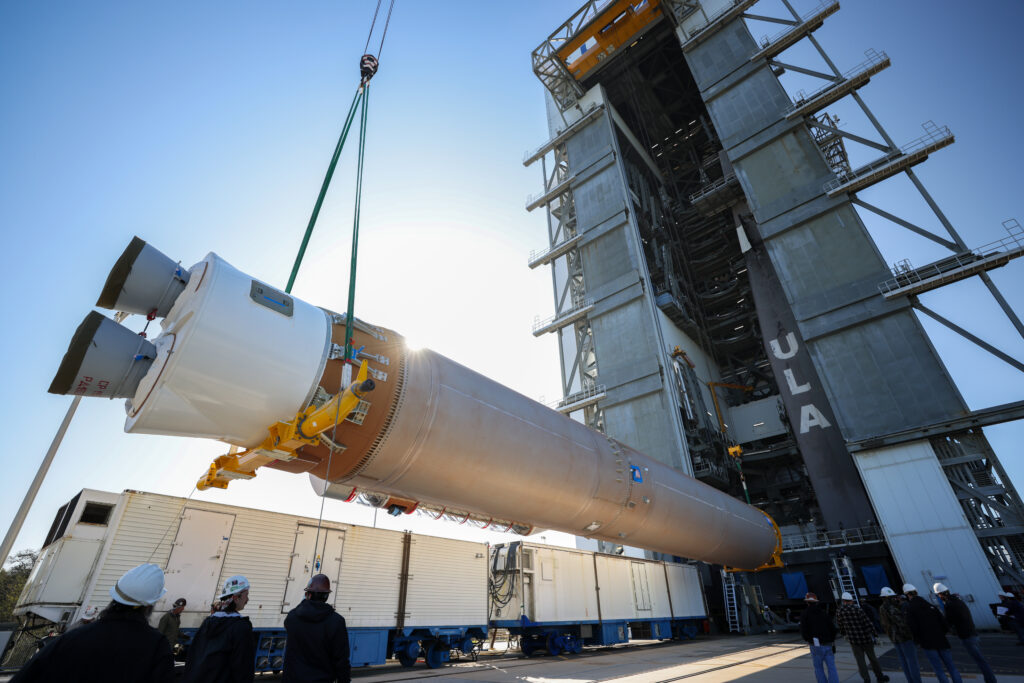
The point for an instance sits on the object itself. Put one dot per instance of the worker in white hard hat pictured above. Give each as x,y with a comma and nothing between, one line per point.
929,627
958,615
1014,613
855,624
894,623
223,648
119,646
89,615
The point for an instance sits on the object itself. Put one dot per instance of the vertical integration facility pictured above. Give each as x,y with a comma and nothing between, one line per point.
720,305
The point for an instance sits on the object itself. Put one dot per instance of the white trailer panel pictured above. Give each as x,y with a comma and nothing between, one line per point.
684,587
447,583
563,585
928,534
367,593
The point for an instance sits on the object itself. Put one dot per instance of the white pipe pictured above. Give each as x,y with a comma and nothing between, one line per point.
33,489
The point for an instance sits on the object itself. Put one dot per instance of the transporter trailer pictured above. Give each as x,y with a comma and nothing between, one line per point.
404,596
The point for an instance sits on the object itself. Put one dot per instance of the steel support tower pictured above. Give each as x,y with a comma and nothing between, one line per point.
720,305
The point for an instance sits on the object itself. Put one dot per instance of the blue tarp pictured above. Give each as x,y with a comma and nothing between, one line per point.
875,578
796,585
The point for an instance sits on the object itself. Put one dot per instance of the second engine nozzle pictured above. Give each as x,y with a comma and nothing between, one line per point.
104,359
143,281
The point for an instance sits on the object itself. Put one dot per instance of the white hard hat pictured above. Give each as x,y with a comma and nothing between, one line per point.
138,587
90,613
940,588
887,592
909,588
847,596
236,584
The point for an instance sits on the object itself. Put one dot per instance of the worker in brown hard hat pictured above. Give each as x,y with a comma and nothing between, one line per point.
170,622
317,649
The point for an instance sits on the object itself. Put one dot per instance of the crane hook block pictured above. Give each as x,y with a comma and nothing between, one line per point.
367,67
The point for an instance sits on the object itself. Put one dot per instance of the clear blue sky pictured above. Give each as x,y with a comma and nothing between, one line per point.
207,127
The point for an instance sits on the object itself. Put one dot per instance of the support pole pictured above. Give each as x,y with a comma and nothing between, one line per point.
33,489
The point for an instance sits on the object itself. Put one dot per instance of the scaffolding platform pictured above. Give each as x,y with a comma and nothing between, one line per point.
909,280
809,22
717,196
545,198
715,22
564,134
545,256
558,321
911,154
581,399
855,78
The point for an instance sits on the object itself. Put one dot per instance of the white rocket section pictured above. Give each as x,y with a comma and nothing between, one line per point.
218,353
925,527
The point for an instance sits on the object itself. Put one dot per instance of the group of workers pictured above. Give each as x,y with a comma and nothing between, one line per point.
119,644
909,620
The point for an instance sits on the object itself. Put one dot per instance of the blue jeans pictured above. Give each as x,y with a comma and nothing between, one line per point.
822,657
907,652
971,645
939,657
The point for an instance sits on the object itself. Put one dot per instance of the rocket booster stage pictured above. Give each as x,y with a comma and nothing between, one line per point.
244,363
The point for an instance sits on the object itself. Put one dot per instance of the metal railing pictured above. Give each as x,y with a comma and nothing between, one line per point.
935,137
826,7
831,539
905,275
577,306
874,59
588,394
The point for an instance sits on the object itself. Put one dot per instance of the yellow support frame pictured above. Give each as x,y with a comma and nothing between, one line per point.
284,438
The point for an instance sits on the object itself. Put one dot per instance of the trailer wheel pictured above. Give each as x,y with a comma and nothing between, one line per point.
435,654
408,653
528,645
575,645
555,644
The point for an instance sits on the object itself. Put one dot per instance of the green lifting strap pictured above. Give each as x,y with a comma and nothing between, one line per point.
355,227
323,189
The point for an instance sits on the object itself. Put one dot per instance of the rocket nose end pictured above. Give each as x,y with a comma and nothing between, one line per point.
143,281
103,359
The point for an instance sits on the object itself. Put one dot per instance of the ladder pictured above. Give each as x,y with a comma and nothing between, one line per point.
843,568
732,606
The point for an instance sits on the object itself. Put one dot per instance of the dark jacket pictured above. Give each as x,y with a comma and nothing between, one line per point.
119,648
168,627
959,617
894,621
855,625
927,624
317,649
223,650
816,623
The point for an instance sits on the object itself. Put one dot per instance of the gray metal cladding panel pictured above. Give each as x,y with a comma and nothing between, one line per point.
645,424
586,145
606,258
753,104
721,54
597,198
625,344
783,174
827,262
882,376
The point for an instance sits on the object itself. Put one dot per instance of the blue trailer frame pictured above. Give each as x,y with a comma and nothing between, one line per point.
370,646
557,637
